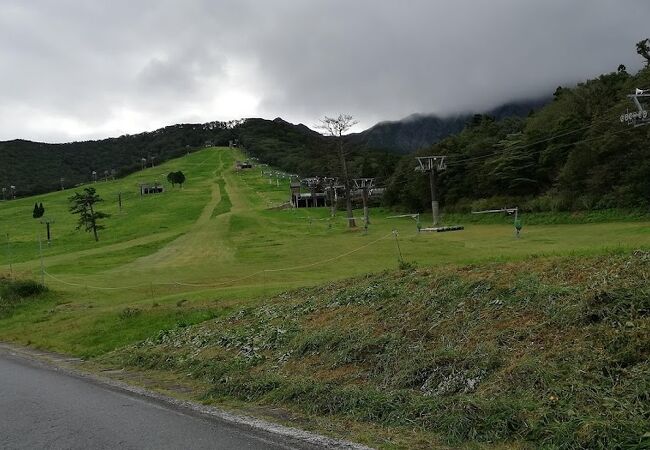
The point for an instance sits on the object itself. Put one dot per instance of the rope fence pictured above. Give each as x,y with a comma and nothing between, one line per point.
215,285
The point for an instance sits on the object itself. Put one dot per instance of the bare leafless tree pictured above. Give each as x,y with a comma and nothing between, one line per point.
336,127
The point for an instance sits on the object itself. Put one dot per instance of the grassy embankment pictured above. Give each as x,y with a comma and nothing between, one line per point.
545,352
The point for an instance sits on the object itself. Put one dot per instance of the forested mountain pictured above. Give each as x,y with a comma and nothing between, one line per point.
35,167
575,153
421,130
298,149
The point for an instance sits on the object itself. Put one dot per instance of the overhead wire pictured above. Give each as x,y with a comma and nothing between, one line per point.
457,162
532,144
581,141
452,163
223,283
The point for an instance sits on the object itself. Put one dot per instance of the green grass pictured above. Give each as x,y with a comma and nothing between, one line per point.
220,240
364,350
224,204
548,352
553,218
16,294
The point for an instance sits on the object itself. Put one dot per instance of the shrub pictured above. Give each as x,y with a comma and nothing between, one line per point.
14,292
128,313
20,289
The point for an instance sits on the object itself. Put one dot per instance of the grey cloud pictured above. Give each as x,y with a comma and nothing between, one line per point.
80,69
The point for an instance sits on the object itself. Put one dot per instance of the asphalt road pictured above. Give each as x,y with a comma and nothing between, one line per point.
44,408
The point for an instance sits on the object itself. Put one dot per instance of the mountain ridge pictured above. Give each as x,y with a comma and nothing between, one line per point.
38,167
421,130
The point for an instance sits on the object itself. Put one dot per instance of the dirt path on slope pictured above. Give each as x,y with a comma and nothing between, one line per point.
203,242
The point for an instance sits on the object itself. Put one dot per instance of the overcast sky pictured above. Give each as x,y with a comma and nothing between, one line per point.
80,69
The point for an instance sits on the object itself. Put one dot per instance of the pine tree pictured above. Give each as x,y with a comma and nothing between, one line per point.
83,204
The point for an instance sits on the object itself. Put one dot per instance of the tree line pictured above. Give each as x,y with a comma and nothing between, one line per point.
573,154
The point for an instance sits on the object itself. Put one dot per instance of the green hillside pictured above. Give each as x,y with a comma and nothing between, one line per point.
35,167
221,244
216,237
573,154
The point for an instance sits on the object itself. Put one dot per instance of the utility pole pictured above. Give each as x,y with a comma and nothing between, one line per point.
331,194
432,165
40,251
399,251
47,223
11,272
365,184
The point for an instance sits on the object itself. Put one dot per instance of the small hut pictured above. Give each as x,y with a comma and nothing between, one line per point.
241,165
314,198
151,188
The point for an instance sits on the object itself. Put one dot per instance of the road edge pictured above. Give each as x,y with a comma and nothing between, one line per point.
63,364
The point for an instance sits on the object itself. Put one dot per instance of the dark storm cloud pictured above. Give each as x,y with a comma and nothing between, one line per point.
79,69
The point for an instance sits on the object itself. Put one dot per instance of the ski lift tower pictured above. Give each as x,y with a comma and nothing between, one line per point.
640,117
365,184
312,183
515,211
432,165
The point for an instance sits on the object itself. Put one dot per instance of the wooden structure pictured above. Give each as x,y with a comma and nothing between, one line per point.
151,188
316,192
316,197
241,165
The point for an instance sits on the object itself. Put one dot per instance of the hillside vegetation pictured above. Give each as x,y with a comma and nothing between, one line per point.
552,352
419,131
14,293
187,254
36,168
573,154
378,349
